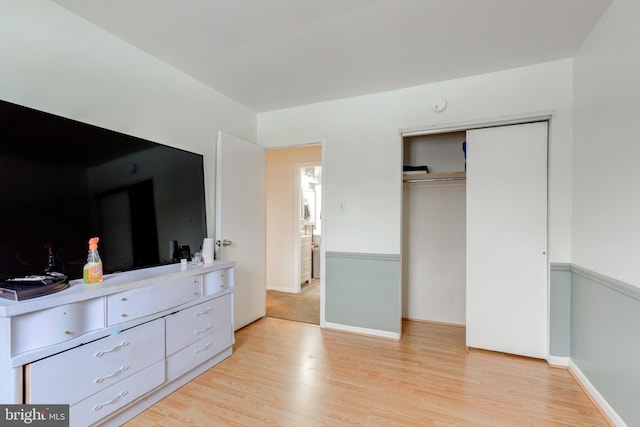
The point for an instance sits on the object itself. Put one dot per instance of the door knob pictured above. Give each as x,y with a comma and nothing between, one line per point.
224,243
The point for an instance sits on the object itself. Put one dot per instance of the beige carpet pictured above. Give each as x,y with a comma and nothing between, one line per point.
303,307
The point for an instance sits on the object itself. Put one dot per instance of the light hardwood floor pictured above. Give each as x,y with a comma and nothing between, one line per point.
294,374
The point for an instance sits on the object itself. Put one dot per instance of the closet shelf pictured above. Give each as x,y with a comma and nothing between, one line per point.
434,176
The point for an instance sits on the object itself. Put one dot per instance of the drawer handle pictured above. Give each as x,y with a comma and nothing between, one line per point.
116,348
114,400
203,348
202,331
202,313
115,374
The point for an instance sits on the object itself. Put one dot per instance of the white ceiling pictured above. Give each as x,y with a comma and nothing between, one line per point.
272,54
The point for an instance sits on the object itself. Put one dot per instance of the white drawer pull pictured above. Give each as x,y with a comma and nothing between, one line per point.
203,348
115,374
114,400
202,331
202,313
116,348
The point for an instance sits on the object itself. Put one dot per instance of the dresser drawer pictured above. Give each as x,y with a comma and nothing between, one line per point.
189,325
217,281
75,374
56,325
117,396
145,301
199,352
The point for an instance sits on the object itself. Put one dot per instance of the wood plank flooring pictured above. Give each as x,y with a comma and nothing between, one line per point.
294,374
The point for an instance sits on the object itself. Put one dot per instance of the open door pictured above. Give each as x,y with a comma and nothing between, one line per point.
240,229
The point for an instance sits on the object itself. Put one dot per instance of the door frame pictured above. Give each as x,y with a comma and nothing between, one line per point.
322,141
466,125
297,232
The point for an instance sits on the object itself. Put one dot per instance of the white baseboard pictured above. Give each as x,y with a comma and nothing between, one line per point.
362,331
595,395
287,290
558,361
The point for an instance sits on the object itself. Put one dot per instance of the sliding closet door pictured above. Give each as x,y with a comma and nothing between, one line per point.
507,239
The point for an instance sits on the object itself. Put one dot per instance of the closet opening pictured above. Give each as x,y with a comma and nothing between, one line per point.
434,228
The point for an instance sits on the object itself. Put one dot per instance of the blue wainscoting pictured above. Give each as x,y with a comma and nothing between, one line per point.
363,293
605,339
595,325
560,312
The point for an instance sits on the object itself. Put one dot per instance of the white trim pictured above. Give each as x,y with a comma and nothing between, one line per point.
479,123
300,143
558,361
298,244
595,395
362,331
323,234
281,289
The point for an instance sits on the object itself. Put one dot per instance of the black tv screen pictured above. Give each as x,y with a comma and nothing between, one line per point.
64,182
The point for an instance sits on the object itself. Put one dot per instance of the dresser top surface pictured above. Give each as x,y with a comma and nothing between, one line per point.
111,284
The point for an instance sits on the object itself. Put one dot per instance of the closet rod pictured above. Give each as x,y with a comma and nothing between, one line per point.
452,178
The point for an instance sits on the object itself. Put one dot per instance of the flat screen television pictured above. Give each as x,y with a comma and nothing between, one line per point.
64,182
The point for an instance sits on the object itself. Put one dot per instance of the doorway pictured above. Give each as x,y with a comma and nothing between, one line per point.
294,233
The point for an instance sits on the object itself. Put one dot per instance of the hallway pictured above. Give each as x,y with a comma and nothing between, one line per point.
302,307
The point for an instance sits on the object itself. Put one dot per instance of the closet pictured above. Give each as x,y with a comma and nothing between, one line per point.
475,235
434,256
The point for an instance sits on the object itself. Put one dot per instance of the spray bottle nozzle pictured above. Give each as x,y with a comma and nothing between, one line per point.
93,243
51,259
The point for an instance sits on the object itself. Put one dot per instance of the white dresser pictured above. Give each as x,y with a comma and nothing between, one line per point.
111,350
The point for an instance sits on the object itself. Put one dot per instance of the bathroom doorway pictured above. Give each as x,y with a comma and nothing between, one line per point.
294,233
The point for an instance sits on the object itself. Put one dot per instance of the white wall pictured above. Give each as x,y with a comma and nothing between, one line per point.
434,252
283,214
55,61
606,235
363,147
